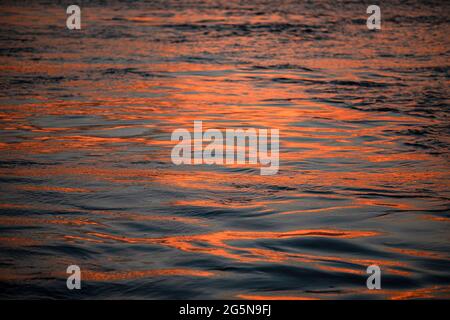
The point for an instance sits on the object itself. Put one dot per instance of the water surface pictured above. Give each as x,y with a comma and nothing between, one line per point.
86,176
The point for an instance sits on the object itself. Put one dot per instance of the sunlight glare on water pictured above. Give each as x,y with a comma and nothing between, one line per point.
86,176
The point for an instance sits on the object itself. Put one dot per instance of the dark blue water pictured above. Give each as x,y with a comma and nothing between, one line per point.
86,176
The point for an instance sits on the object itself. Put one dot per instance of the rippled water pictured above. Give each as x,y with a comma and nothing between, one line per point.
85,170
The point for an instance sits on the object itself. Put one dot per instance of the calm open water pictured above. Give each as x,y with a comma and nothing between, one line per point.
86,176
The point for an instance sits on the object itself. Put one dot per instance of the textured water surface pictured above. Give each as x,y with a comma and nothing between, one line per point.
86,176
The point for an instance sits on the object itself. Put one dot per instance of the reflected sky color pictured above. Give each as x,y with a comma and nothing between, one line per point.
86,176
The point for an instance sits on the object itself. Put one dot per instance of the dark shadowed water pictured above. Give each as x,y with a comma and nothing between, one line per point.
86,176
